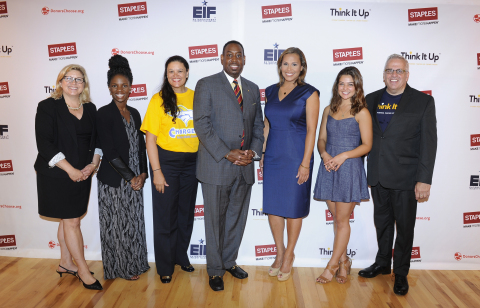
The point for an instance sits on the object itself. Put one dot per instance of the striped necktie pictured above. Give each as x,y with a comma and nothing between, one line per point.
238,95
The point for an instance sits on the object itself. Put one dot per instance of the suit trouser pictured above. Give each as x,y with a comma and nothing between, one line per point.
173,211
226,210
394,207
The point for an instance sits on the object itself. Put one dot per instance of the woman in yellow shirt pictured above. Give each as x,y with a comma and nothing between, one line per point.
172,147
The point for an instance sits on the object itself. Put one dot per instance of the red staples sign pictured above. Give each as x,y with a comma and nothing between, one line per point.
416,253
347,54
262,95
6,166
429,92
478,58
4,88
62,49
429,13
3,7
128,9
273,11
329,216
138,90
475,140
205,51
471,218
7,240
265,250
260,174
199,210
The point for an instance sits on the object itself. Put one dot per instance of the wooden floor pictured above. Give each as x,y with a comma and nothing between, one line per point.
34,283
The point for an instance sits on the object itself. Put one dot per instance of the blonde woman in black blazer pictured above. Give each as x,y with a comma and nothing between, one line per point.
65,132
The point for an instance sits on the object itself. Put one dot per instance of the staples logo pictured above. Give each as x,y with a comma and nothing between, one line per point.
138,90
129,9
62,49
205,51
478,59
430,13
329,216
429,92
475,140
262,95
265,250
4,88
347,54
416,253
471,218
260,174
3,7
6,166
199,210
275,11
7,240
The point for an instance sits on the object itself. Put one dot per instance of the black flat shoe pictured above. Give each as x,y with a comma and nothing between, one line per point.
237,272
216,283
374,270
188,268
400,287
94,286
67,271
165,279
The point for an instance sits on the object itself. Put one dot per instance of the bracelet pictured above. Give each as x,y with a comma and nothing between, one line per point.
226,156
156,169
92,163
304,166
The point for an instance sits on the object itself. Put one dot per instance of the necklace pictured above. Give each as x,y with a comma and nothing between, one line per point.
71,108
343,114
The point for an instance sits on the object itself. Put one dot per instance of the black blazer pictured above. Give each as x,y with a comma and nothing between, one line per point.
404,153
114,141
55,132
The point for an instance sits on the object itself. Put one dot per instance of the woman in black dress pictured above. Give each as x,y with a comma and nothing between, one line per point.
65,132
121,178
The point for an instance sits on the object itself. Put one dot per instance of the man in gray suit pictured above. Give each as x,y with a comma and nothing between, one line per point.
228,121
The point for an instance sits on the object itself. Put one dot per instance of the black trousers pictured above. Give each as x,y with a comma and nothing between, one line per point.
173,211
394,207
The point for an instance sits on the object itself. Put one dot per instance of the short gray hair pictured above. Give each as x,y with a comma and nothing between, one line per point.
397,56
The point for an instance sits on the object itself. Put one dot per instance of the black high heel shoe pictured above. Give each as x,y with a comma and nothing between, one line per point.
94,286
67,271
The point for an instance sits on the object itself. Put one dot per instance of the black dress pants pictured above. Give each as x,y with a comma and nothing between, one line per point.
173,211
394,207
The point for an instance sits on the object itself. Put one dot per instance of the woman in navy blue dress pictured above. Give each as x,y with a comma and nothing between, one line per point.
345,136
291,117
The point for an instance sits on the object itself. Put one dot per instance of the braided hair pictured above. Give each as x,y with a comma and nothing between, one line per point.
119,66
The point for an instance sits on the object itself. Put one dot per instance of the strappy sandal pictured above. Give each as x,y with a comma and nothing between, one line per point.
332,269
347,265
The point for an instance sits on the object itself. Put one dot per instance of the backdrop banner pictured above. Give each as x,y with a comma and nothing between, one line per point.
440,41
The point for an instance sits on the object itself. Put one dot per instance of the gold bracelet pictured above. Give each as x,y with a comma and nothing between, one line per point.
304,166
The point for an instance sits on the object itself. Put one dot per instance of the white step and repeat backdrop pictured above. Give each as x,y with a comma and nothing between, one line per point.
439,39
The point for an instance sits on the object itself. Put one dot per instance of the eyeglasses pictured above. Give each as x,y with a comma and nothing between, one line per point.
399,71
69,79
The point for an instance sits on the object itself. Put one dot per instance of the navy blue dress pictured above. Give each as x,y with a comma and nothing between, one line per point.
349,182
282,196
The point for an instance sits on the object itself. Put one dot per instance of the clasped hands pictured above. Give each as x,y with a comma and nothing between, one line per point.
333,163
240,157
81,175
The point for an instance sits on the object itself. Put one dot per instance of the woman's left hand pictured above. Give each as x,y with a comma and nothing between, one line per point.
336,162
303,174
88,170
138,181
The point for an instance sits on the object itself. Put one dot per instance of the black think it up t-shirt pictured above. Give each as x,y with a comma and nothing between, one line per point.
386,109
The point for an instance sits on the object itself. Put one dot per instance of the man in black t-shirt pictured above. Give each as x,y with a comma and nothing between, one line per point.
400,167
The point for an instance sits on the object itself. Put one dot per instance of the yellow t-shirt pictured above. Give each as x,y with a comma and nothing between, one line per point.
176,137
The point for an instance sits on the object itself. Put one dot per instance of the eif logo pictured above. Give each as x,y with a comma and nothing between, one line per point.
270,56
474,182
204,13
198,251
3,132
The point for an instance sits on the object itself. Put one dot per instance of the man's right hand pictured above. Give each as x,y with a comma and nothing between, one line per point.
239,157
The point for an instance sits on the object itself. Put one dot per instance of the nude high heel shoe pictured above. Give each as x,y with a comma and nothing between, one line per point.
284,276
347,265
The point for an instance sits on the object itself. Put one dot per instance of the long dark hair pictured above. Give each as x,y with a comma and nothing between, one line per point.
358,99
119,66
166,92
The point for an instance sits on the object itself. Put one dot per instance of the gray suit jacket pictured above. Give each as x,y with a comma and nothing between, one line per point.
219,123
